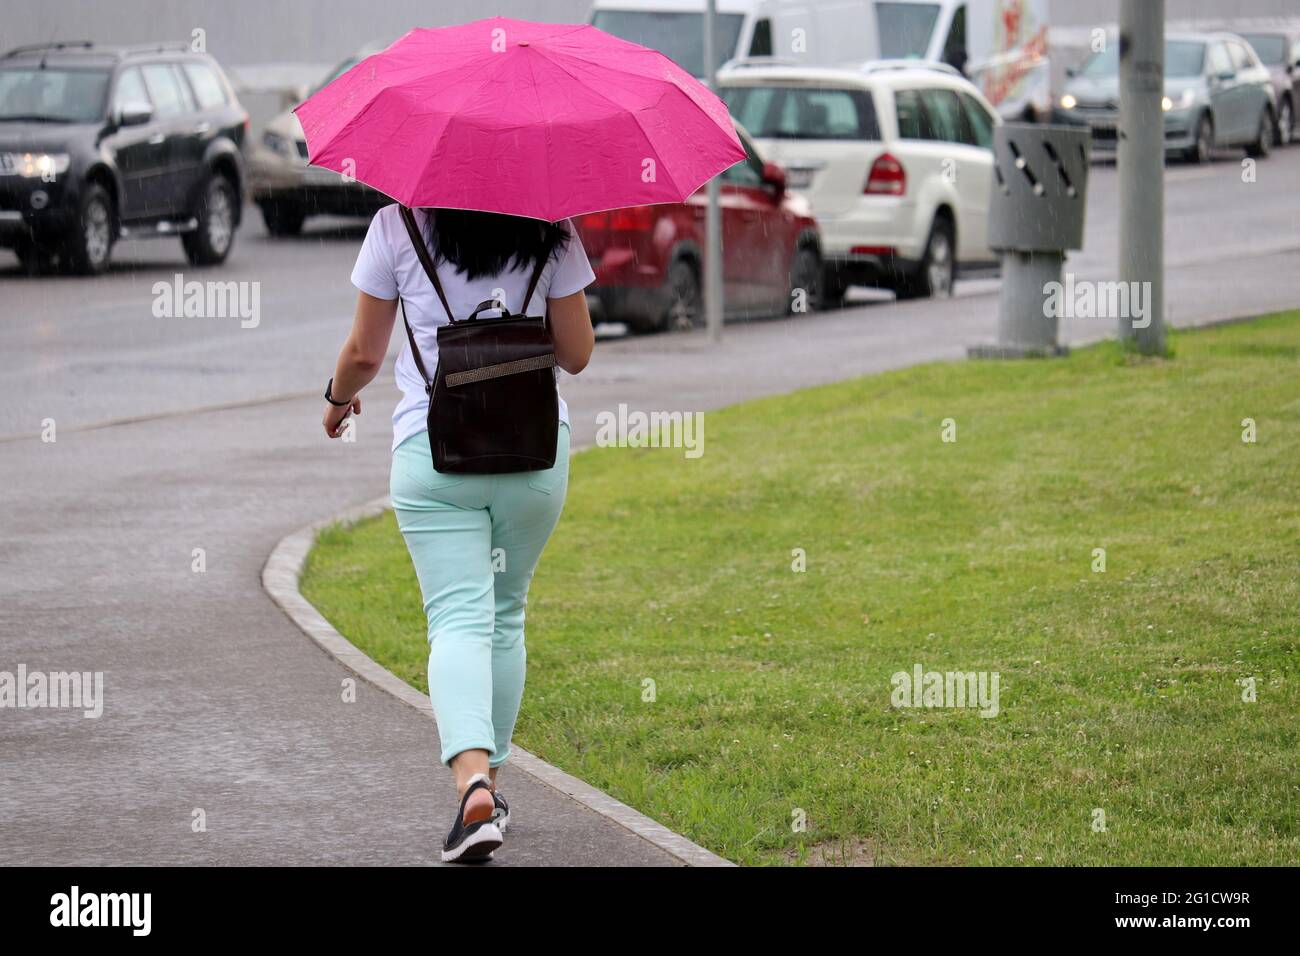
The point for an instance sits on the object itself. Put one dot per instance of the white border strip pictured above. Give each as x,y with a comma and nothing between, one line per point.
280,580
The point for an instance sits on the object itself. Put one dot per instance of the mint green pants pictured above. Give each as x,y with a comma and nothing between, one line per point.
475,541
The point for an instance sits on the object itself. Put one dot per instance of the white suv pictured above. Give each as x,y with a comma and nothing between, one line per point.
896,159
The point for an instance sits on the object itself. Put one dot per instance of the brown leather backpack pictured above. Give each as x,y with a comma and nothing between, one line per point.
493,404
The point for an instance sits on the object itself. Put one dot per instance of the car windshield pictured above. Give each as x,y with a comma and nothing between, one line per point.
335,73
793,112
38,95
1182,58
1269,47
905,29
678,36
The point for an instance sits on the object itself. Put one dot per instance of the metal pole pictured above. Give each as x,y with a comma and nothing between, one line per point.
713,219
1141,172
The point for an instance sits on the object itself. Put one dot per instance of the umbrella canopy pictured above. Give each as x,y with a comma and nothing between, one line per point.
532,119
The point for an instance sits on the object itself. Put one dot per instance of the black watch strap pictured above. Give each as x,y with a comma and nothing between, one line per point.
330,398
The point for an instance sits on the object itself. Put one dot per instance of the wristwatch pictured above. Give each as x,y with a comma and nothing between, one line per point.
330,398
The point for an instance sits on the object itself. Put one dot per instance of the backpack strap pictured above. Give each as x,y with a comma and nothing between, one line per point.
422,252
532,287
415,350
426,260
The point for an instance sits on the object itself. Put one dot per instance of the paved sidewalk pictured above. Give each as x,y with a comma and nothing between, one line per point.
217,702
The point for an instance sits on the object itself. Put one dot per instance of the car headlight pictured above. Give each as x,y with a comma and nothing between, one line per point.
1068,102
277,144
46,166
1166,103
1185,99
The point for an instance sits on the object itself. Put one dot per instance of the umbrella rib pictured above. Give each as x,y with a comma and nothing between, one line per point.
576,28
451,116
635,118
542,112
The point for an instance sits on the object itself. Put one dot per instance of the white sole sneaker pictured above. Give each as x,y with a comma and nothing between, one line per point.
477,844
471,842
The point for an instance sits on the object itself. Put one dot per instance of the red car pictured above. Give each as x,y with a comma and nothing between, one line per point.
648,260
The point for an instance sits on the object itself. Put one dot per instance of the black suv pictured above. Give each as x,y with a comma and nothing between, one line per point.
101,143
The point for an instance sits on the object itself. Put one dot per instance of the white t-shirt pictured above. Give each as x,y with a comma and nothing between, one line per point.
387,267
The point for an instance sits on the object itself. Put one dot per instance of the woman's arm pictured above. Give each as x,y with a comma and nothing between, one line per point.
571,329
360,358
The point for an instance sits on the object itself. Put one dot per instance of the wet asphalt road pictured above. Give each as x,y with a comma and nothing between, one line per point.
175,434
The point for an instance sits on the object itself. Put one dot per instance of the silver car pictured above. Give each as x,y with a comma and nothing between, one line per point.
1279,50
286,189
1216,93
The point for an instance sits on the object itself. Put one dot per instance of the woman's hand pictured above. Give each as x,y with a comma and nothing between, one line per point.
336,415
360,357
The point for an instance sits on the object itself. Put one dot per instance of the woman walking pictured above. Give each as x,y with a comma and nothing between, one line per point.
475,539
530,124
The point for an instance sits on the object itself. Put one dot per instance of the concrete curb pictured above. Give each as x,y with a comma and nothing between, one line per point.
280,580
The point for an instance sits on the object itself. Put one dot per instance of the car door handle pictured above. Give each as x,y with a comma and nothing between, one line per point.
157,139
203,128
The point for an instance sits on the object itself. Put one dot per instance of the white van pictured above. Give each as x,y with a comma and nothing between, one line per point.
676,28
1000,44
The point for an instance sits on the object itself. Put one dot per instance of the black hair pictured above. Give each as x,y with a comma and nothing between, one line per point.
488,243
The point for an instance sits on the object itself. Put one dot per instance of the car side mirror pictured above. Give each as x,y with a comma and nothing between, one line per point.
1223,76
1071,71
774,176
135,114
294,95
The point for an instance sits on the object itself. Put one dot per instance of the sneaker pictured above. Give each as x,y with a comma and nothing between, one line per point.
501,812
472,840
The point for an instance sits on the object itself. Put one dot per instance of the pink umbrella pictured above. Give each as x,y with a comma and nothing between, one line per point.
533,119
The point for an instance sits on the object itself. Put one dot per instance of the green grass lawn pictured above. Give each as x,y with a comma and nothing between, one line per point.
770,697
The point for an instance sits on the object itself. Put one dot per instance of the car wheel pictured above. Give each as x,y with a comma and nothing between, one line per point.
834,288
1285,123
1199,151
806,275
685,297
934,275
90,246
283,218
210,242
1263,142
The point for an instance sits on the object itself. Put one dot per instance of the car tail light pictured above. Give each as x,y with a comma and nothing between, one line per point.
887,177
631,219
592,220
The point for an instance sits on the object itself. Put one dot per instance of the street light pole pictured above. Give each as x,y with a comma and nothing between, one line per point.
713,218
1141,171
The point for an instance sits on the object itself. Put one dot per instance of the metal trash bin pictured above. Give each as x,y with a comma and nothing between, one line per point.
1036,209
